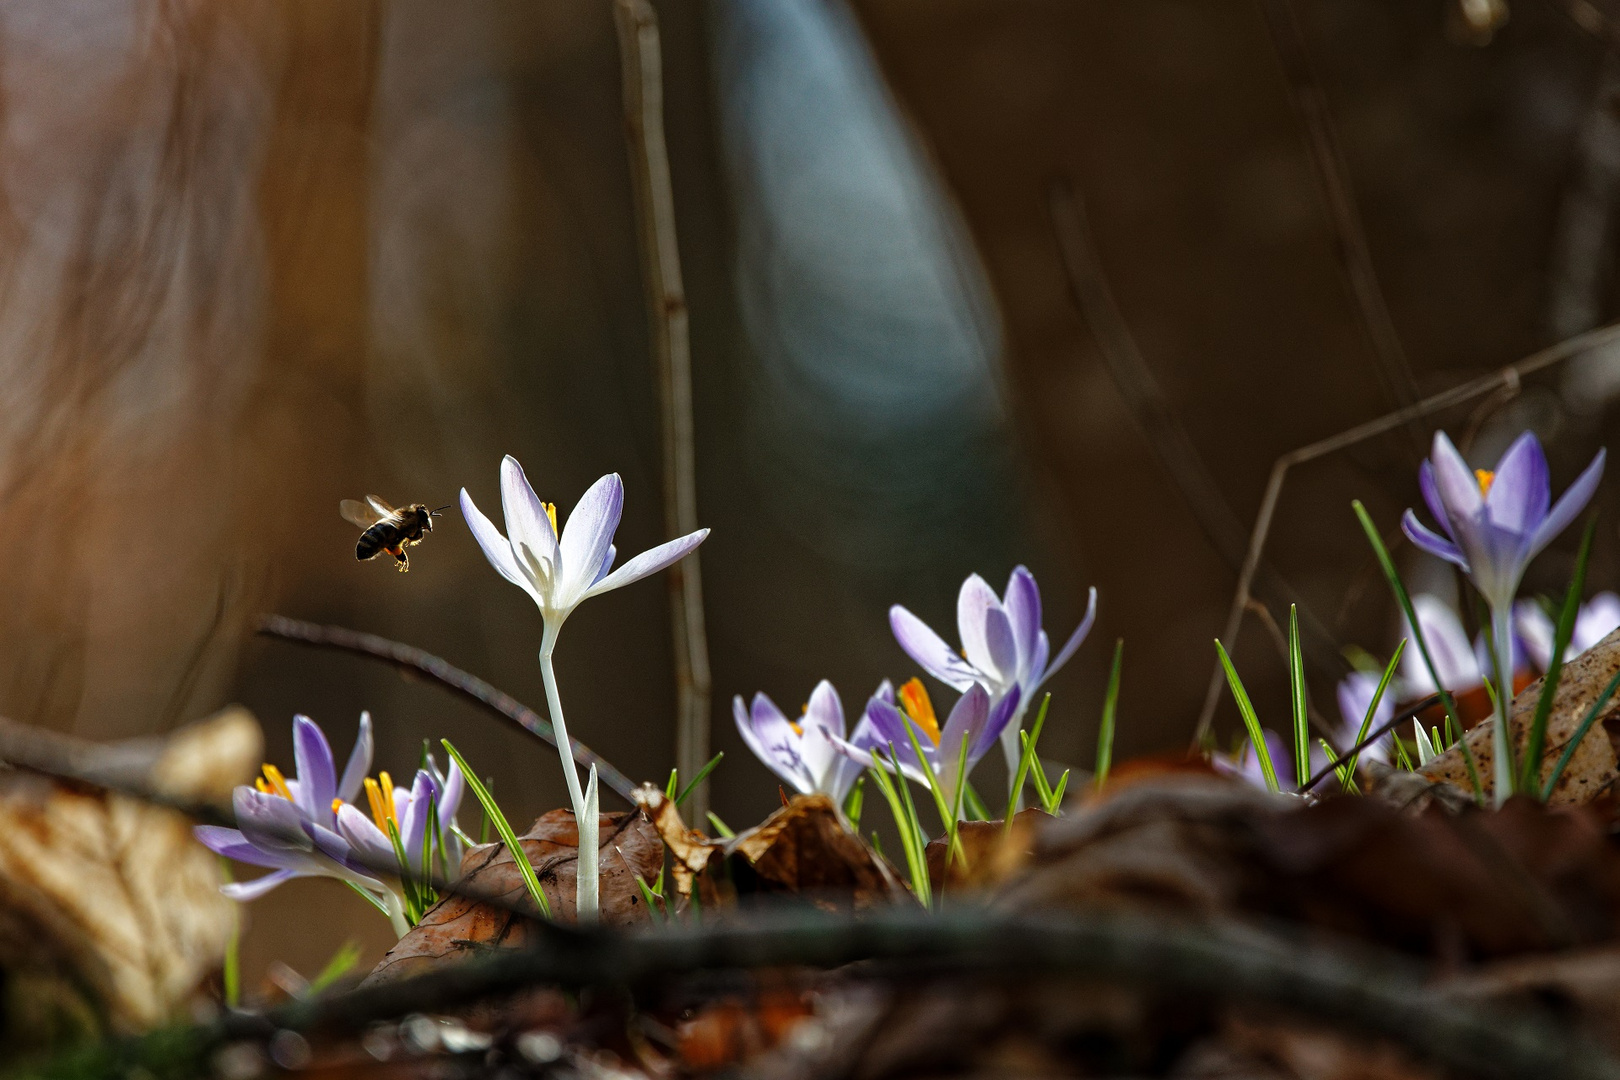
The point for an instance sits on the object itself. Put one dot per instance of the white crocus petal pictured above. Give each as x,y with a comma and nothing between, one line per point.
526,519
648,562
823,716
973,604
495,547
586,537
1598,618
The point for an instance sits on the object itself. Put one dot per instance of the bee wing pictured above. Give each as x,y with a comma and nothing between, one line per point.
382,508
360,513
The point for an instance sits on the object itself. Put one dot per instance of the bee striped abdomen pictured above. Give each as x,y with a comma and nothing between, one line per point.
373,541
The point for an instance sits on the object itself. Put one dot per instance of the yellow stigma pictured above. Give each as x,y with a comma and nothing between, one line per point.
274,783
551,512
914,700
1485,478
337,804
381,798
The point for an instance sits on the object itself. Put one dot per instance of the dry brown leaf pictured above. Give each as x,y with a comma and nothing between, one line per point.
496,910
991,852
805,847
1595,765
109,908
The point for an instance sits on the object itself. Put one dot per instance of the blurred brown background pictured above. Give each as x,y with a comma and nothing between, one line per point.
257,257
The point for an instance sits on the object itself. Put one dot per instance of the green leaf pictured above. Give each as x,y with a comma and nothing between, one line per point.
1393,577
1535,746
1054,805
720,827
703,774
371,899
904,822
854,802
1257,738
1105,731
508,837
1037,773
1297,697
1028,740
654,908
1372,711
941,802
672,783
341,964
1345,775
975,805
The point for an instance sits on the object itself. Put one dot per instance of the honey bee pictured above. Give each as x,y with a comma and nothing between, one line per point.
387,529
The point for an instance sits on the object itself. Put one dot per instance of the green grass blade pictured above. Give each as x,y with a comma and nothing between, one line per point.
952,848
1372,708
371,899
508,837
1257,738
1297,697
672,783
407,879
341,964
941,802
1043,790
651,899
721,828
919,874
915,830
1029,739
1536,744
1393,577
974,804
1346,777
854,803
1054,806
1105,730
703,774
1580,733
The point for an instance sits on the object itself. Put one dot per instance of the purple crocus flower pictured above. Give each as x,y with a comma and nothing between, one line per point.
410,812
803,753
1003,646
1356,692
1595,620
289,825
1495,522
974,717
561,569
1244,764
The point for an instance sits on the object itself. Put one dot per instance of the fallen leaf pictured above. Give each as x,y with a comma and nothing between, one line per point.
1595,765
990,852
491,907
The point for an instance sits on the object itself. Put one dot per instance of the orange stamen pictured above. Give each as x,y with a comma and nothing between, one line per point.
1485,478
551,512
277,782
914,700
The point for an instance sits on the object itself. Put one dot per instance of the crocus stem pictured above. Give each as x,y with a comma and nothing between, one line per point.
1012,749
585,822
1501,750
396,912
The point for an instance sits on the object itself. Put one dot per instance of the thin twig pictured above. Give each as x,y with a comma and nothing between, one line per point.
1411,712
1507,376
1346,986
643,76
410,658
1333,178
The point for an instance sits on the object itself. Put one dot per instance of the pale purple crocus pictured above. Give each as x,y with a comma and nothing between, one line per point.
975,719
1003,647
803,754
1596,619
1494,523
1355,693
561,569
424,815
289,825
1244,764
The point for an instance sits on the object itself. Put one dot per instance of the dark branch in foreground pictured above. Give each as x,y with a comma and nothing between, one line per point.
1374,993
409,658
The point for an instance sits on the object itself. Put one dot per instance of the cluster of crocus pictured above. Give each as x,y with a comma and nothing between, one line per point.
1492,524
1004,659
561,569
1596,620
306,826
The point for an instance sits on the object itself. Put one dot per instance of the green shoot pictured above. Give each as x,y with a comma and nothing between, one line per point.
672,784
407,880
1391,575
1425,744
483,815
1372,709
721,829
1024,760
1401,757
1257,738
1296,686
703,774
1537,742
341,964
1346,777
916,865
975,807
1105,731
1054,805
493,813
370,898
1580,733
853,804
953,848
1037,773
942,802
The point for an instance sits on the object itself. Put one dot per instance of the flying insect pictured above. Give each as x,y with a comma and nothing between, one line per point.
388,529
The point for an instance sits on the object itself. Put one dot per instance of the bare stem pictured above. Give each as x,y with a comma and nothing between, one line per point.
584,820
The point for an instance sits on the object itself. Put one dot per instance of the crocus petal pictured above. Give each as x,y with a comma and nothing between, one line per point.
354,773
1069,646
1022,602
607,564
233,845
1001,714
587,535
1001,646
1431,541
1519,494
893,730
370,843
929,650
526,520
1535,630
1431,496
824,710
1449,647
823,716
1455,481
973,603
455,785
649,562
413,822
1571,503
772,739
269,822
317,773
495,548
1597,619
244,891
967,720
